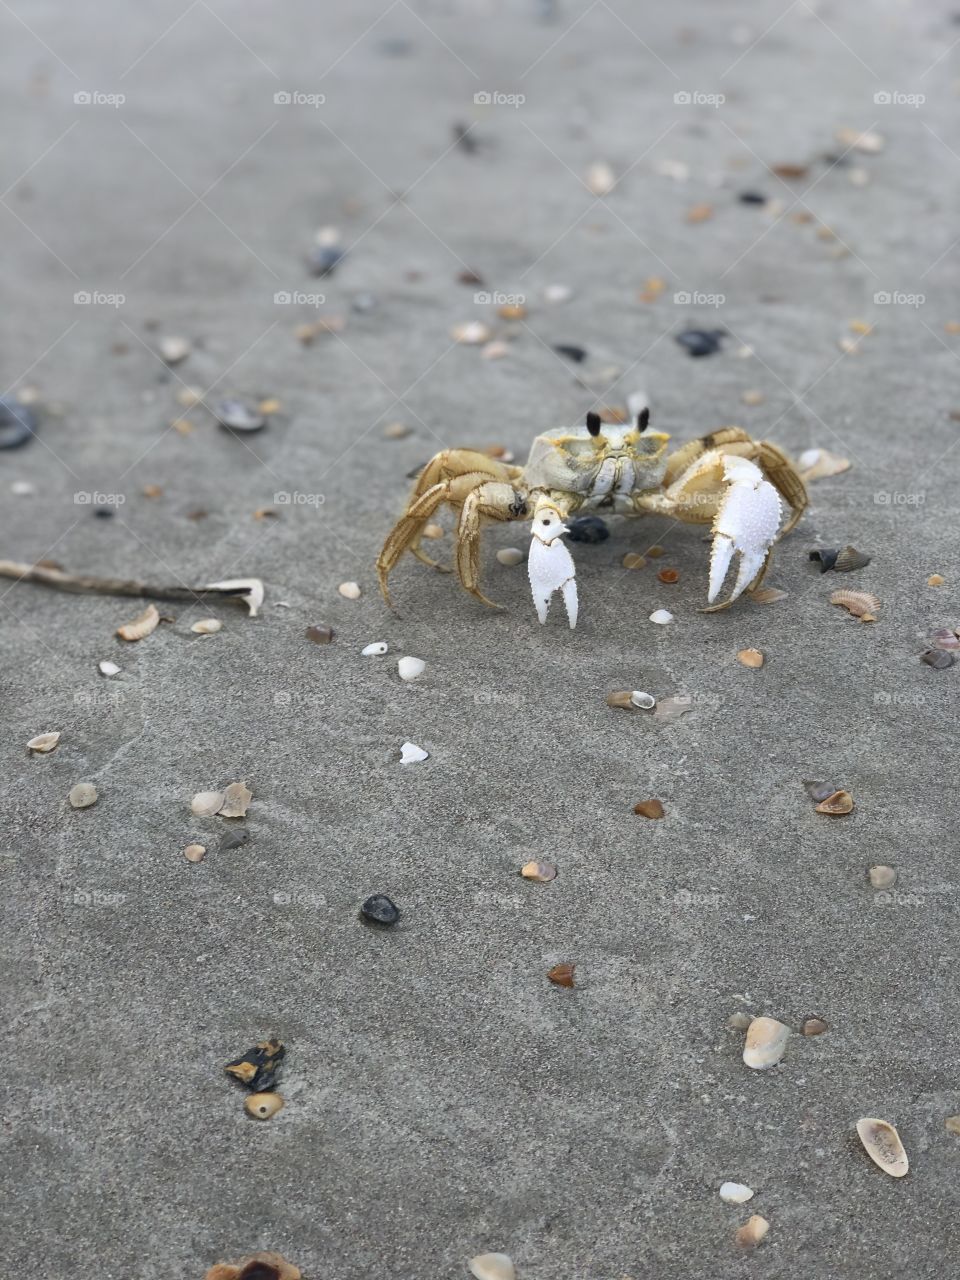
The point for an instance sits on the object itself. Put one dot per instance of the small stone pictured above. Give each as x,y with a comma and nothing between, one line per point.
320,634
18,423
234,415
562,975
633,561
600,178
206,803
174,350
542,872
83,795
939,659
375,650
750,658
108,668
410,753
661,617
104,513
753,1231
882,876
571,352
472,333
512,311
396,430
752,197
263,1106
557,293
44,743
752,397
194,852
349,590
700,342
587,529
510,556
270,405
735,1193
411,668
323,260
379,909
814,1027
649,809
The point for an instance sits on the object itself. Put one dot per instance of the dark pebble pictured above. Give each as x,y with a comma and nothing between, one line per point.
826,557
588,529
234,415
320,635
939,659
18,422
235,840
464,139
469,277
379,909
700,342
323,259
752,197
576,354
259,1067
104,513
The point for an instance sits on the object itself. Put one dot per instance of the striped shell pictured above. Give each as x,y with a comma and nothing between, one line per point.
860,603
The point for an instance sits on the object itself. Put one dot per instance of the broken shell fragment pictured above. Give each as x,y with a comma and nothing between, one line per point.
952,1125
882,1144
43,742
661,617
561,975
492,1266
174,350
752,1232
259,1067
649,809
147,622
411,668
236,801
375,650
642,700
410,753
750,658
263,1106
83,795
840,802
816,464
194,852
765,1044
936,580
939,659
944,638
207,626
849,558
735,1192
826,557
510,556
542,872
249,590
819,790
814,1027
860,603
349,590
882,876
206,803
668,709
108,668
259,1266
766,595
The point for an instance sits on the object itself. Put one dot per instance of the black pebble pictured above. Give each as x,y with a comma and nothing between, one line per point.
588,529
378,909
323,260
826,557
18,422
235,840
700,342
234,415
752,197
939,659
576,354
104,513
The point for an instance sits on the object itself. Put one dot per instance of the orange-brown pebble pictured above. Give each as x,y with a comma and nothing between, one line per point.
561,975
750,658
669,575
649,809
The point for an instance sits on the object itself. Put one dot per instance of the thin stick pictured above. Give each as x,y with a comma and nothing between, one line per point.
81,584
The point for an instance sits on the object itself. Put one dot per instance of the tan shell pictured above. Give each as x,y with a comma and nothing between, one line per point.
148,621
765,1044
936,580
207,626
752,1232
860,603
814,1027
766,595
816,464
543,872
750,658
883,1146
562,975
83,795
621,698
233,1271
633,561
194,852
649,809
952,1125
263,1106
492,1266
43,742
206,803
839,803
882,877
236,801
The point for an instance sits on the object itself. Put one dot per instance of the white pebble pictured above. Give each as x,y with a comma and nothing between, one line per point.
173,350
735,1193
22,488
510,555
410,753
351,590
645,700
108,668
558,293
207,626
411,668
375,650
661,617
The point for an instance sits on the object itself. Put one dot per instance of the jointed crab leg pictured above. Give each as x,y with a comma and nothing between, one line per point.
491,501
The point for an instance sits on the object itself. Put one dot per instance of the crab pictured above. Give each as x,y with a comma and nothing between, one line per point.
725,479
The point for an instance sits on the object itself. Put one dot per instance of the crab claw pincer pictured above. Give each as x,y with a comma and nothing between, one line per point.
550,565
747,522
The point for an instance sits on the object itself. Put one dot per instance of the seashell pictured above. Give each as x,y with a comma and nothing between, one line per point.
668,709
108,668
767,595
849,558
939,659
883,1146
349,590
816,464
952,1125
814,1027
235,415
622,698
236,801
147,622
735,1193
542,872
869,141
649,809
471,334
375,650
838,803
765,1044
826,557
752,1232
263,1106
266,1266
600,178
661,617
206,803
495,350
819,790
669,575
936,580
882,877
492,1266
83,795
752,398
43,742
249,590
633,561
561,975
860,603
173,350
321,634
259,1067
510,555
194,852
750,658
207,626
410,753
411,668
656,551
642,700
944,638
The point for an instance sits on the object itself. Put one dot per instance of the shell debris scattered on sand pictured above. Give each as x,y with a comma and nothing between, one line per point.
562,975
249,590
836,804
861,604
510,556
375,650
649,809
349,590
750,658
641,700
142,626
882,1144
765,1044
411,668
259,1266
661,617
410,753
882,876
194,852
669,709
814,1027
542,872
236,800
492,1266
816,464
767,595
207,626
206,803
44,743
736,1193
108,668
263,1106
472,333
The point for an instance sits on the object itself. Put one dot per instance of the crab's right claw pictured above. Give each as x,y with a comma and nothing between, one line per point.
747,523
550,568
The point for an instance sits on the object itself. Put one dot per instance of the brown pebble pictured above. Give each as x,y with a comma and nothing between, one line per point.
194,852
839,803
669,575
935,580
750,658
655,552
263,1106
542,872
632,561
649,809
320,634
561,975
814,1027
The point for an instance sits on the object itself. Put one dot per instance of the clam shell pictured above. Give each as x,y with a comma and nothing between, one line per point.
83,795
542,872
600,178
236,801
411,668
492,1266
883,1146
649,809
766,595
735,1193
510,556
850,559
207,626
765,1044
752,1231
43,742
944,638
206,803
142,626
814,1027
750,658
838,803
194,852
375,650
882,876
561,975
939,659
262,1106
859,603
643,700
661,616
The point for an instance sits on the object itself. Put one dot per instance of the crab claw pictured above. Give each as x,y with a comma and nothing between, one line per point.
747,522
550,565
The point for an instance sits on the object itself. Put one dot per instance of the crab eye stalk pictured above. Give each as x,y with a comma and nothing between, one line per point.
593,423
643,419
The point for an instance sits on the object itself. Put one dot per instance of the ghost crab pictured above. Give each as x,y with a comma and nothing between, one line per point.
725,478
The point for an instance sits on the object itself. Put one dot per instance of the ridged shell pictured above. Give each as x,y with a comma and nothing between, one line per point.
859,603
840,802
750,658
147,622
850,559
944,638
766,595
883,1146
43,742
206,803
236,799
765,1044
542,872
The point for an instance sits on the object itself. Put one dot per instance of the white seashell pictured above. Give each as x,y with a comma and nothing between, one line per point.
510,555
644,700
735,1193
44,742
601,179
236,799
661,617
411,668
557,293
765,1044
142,626
492,1266
375,650
250,591
207,626
349,590
883,1146
471,334
83,795
108,668
173,350
675,169
410,753
22,488
206,803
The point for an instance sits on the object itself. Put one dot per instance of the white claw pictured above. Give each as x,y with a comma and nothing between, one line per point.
747,522
550,565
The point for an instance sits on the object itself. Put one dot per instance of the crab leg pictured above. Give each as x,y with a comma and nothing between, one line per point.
550,565
746,523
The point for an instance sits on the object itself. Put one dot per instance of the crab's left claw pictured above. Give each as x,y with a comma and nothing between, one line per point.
550,565
747,522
